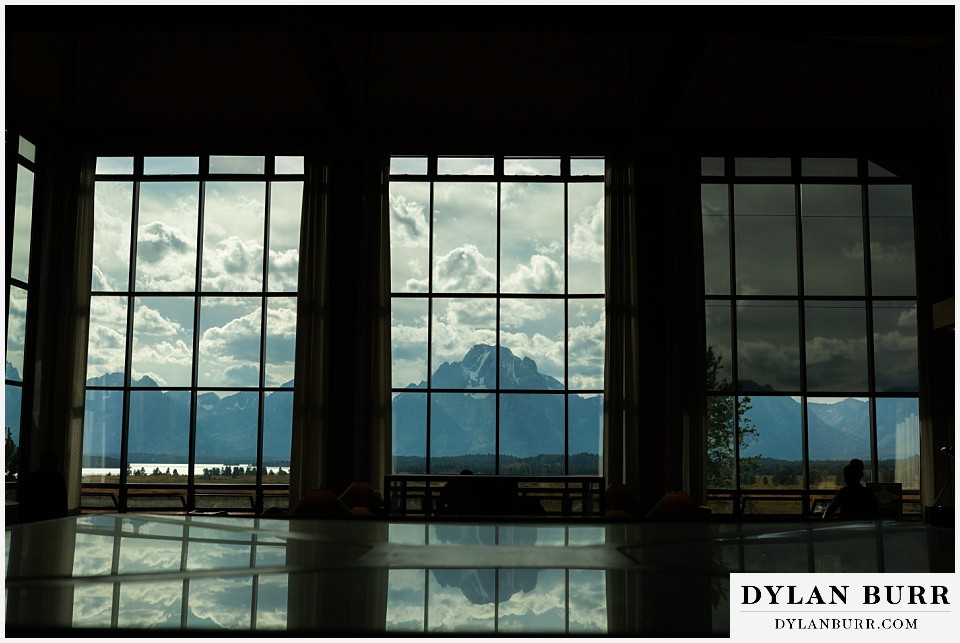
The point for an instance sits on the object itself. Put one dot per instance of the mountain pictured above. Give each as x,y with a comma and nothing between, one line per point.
464,423
160,420
837,431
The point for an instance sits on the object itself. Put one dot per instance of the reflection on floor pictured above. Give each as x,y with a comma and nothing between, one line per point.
202,573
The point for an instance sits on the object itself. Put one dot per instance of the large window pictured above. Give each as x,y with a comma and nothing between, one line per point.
19,234
192,327
811,326
497,314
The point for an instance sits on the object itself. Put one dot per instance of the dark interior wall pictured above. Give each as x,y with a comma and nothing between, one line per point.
662,86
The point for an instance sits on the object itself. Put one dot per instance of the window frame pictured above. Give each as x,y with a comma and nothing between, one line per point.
499,175
793,174
190,494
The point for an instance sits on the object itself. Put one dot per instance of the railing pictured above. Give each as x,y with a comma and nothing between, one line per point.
428,495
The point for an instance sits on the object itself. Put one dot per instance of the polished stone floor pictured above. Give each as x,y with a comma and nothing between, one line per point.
205,574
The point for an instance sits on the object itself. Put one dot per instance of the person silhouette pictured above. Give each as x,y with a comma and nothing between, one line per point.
43,494
853,501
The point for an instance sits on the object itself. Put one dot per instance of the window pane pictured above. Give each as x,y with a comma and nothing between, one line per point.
892,253
286,199
585,414
768,346
762,166
112,212
719,372
236,164
721,445
281,341
829,167
159,431
157,603
531,425
272,600
771,442
114,165
229,353
230,599
16,332
766,256
106,347
529,601
461,600
895,345
587,167
892,258
837,430
11,419
167,236
171,165
531,334
898,441
233,229
406,600
102,425
462,432
873,169
409,433
716,239
831,201
833,256
465,237
586,344
836,346
586,238
531,238
588,601
764,200
22,222
464,334
711,166
408,165
408,342
450,165
227,428
531,167
163,341
765,237
277,433
289,165
27,149
409,236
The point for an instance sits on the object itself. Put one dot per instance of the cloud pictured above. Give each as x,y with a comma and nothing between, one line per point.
464,269
233,264
587,352
229,354
889,254
587,235
225,602
156,240
148,321
408,222
895,341
541,275
284,269
768,363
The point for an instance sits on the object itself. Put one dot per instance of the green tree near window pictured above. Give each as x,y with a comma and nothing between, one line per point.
12,453
722,421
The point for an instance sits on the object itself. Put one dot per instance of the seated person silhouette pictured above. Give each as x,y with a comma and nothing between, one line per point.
43,492
853,501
